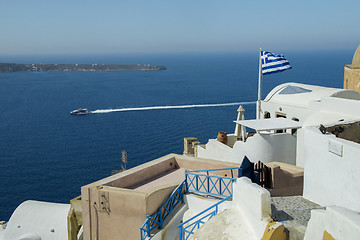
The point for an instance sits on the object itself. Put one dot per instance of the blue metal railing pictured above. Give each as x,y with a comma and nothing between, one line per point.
188,228
156,220
199,182
219,169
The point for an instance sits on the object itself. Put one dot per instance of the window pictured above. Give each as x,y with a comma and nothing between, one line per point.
267,115
280,115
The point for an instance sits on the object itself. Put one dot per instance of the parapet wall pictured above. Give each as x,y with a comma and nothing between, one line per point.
254,202
334,222
264,147
332,168
286,179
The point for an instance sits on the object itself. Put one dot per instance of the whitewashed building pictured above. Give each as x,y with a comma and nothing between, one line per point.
286,111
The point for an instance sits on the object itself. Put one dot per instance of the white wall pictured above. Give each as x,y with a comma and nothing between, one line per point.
338,105
254,202
197,204
300,148
215,150
317,118
328,110
280,147
290,111
330,179
341,223
265,147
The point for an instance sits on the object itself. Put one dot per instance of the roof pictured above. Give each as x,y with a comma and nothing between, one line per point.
270,124
300,95
38,220
356,58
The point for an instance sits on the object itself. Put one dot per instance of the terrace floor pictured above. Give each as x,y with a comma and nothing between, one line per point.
294,212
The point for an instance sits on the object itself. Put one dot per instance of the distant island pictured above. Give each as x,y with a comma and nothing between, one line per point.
15,67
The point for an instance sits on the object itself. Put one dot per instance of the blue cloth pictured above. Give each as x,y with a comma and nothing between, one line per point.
271,63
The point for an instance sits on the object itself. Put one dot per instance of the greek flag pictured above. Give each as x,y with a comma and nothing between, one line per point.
271,63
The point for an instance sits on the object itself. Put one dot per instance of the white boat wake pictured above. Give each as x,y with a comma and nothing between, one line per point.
170,107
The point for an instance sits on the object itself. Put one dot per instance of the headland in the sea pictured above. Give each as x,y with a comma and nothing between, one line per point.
15,67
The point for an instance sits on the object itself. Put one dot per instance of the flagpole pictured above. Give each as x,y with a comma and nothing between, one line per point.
259,88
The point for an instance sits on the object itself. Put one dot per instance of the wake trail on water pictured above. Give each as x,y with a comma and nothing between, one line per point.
170,107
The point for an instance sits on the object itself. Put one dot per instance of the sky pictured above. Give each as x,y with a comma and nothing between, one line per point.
142,26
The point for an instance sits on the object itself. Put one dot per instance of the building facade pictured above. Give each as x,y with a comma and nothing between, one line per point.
352,73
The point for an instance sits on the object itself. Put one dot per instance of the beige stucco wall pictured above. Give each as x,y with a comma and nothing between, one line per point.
141,173
352,78
286,179
156,197
127,212
125,208
352,73
190,163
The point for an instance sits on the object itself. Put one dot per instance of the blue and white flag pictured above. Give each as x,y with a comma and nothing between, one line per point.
271,63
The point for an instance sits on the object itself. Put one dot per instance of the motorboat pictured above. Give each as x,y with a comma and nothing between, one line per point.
80,111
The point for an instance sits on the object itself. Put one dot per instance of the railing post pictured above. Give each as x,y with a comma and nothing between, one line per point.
160,219
185,190
208,182
186,182
232,187
220,180
197,182
148,225
181,191
181,237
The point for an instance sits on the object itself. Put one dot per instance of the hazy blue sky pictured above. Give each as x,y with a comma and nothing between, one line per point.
117,26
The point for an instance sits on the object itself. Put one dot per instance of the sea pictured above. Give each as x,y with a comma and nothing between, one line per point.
46,154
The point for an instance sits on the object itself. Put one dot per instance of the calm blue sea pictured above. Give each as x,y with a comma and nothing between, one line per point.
47,154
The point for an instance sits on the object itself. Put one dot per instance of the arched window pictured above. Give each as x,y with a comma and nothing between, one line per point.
267,115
